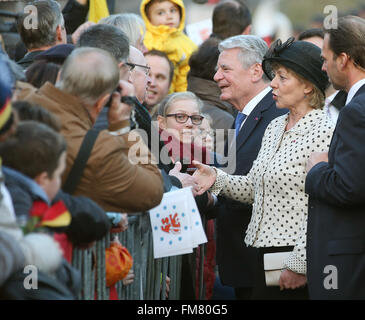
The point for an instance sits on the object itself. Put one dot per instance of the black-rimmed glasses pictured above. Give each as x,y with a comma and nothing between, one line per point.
182,118
133,65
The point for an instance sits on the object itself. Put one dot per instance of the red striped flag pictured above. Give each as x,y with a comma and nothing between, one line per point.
55,216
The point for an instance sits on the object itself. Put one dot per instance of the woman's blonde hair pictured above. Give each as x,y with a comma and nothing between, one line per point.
165,104
315,97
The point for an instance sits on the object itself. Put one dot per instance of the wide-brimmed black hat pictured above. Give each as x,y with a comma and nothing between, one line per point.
302,57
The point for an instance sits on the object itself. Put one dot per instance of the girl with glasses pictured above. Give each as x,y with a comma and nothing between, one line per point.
179,119
179,114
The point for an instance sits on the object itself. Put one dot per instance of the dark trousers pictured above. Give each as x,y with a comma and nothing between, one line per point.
243,293
262,292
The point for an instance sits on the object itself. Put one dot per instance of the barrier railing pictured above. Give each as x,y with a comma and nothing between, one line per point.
149,273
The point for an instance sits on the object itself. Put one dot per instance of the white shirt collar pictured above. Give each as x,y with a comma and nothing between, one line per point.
354,89
329,99
255,101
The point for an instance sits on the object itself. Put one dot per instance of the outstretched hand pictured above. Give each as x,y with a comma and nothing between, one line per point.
185,179
204,176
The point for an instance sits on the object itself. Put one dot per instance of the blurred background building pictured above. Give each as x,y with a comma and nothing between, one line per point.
271,18
301,13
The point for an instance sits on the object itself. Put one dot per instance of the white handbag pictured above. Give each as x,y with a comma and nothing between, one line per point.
273,265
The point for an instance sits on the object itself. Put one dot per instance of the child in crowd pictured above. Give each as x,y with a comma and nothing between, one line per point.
34,159
36,155
34,248
165,20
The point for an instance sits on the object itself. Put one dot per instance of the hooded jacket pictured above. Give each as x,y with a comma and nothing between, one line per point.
174,42
38,249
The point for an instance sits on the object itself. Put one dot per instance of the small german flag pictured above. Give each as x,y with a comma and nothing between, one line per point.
5,112
55,216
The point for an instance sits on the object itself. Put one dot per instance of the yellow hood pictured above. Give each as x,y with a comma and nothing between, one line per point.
163,29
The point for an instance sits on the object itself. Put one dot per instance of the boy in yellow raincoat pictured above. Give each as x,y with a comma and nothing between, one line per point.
165,20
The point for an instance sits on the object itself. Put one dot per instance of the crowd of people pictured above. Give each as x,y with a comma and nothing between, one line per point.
268,135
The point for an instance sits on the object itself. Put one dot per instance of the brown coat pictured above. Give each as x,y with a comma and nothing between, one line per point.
112,178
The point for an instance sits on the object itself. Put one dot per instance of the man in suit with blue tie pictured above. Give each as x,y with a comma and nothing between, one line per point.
336,181
243,84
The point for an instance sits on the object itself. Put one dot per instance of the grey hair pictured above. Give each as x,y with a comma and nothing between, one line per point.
208,118
252,48
108,38
49,17
168,100
89,73
131,23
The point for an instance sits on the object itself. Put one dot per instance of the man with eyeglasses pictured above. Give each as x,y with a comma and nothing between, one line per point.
139,77
139,74
115,42
133,68
112,176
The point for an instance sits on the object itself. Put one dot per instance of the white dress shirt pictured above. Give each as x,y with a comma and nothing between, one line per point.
253,103
354,89
331,111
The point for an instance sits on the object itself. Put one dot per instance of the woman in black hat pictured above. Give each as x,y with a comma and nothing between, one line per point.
275,183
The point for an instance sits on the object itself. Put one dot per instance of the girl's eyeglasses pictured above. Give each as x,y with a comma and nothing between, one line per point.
196,119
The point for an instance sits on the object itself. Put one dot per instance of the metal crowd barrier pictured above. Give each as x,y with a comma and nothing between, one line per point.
149,273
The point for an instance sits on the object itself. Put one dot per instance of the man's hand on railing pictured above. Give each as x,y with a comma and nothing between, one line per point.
167,287
168,281
122,224
129,278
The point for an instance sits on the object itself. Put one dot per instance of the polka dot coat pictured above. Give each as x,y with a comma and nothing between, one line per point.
275,185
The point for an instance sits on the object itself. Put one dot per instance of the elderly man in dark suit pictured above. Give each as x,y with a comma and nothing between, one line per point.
336,182
243,84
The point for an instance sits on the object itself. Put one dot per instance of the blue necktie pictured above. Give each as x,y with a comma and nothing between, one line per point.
238,122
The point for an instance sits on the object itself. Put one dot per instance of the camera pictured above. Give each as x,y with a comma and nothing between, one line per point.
118,89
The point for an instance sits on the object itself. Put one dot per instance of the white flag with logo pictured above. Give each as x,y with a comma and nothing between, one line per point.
176,224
